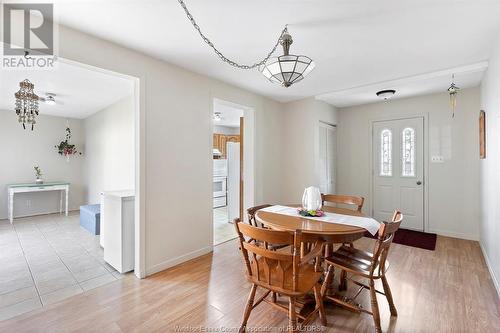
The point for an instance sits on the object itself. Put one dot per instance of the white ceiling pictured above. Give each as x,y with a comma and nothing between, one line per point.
230,114
354,42
465,77
80,92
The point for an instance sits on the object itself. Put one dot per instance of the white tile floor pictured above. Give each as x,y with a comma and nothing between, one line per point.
45,259
223,229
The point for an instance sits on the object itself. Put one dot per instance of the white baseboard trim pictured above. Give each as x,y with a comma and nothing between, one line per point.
179,260
490,268
454,234
40,214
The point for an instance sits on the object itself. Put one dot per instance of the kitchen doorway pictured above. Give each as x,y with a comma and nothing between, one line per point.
227,154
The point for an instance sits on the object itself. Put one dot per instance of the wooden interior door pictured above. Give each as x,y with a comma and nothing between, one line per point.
398,171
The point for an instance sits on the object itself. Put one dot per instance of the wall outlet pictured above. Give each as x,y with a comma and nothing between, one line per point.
437,159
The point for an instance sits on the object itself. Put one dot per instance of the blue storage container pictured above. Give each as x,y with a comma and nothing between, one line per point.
90,218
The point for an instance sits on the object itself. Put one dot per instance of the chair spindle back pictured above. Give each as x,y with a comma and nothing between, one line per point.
267,267
385,236
344,199
251,214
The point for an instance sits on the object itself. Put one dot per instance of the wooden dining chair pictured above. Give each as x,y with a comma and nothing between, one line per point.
253,222
371,266
282,272
344,199
251,214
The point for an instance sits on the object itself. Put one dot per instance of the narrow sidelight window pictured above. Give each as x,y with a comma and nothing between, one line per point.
408,152
386,153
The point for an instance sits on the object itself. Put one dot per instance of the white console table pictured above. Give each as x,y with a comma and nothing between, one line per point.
33,187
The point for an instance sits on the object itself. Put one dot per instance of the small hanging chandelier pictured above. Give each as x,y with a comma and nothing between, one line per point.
288,68
26,104
453,90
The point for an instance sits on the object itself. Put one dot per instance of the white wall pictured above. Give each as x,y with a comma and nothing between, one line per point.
452,186
300,148
176,146
22,149
490,167
227,130
109,162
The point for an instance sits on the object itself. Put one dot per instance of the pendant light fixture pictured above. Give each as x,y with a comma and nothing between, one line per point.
453,90
26,104
286,69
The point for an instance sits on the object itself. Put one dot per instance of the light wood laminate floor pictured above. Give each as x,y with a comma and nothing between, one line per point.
447,290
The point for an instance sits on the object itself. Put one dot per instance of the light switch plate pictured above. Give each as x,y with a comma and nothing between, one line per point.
437,159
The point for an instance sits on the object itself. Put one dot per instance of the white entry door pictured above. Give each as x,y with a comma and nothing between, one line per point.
398,171
327,146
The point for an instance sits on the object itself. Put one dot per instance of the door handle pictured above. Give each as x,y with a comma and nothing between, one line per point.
419,182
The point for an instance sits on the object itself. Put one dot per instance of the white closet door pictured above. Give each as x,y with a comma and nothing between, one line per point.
327,152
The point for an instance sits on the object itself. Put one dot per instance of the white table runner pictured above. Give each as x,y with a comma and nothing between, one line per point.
358,221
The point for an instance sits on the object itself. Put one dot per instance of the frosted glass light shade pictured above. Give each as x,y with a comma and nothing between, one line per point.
287,69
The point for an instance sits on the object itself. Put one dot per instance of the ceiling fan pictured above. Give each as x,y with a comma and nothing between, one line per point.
50,99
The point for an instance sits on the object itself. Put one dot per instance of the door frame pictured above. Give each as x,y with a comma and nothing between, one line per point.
248,166
242,154
425,162
139,93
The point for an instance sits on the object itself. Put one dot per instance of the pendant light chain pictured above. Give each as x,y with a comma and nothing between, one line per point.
219,53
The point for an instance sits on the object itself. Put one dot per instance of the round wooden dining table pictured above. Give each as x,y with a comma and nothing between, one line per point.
330,232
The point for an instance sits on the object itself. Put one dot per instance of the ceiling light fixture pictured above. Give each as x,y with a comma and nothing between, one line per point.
453,91
386,94
26,104
286,69
217,116
50,99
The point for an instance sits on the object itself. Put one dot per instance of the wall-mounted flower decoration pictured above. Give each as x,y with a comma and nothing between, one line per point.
64,148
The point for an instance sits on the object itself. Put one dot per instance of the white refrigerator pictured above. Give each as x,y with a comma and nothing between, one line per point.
233,180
